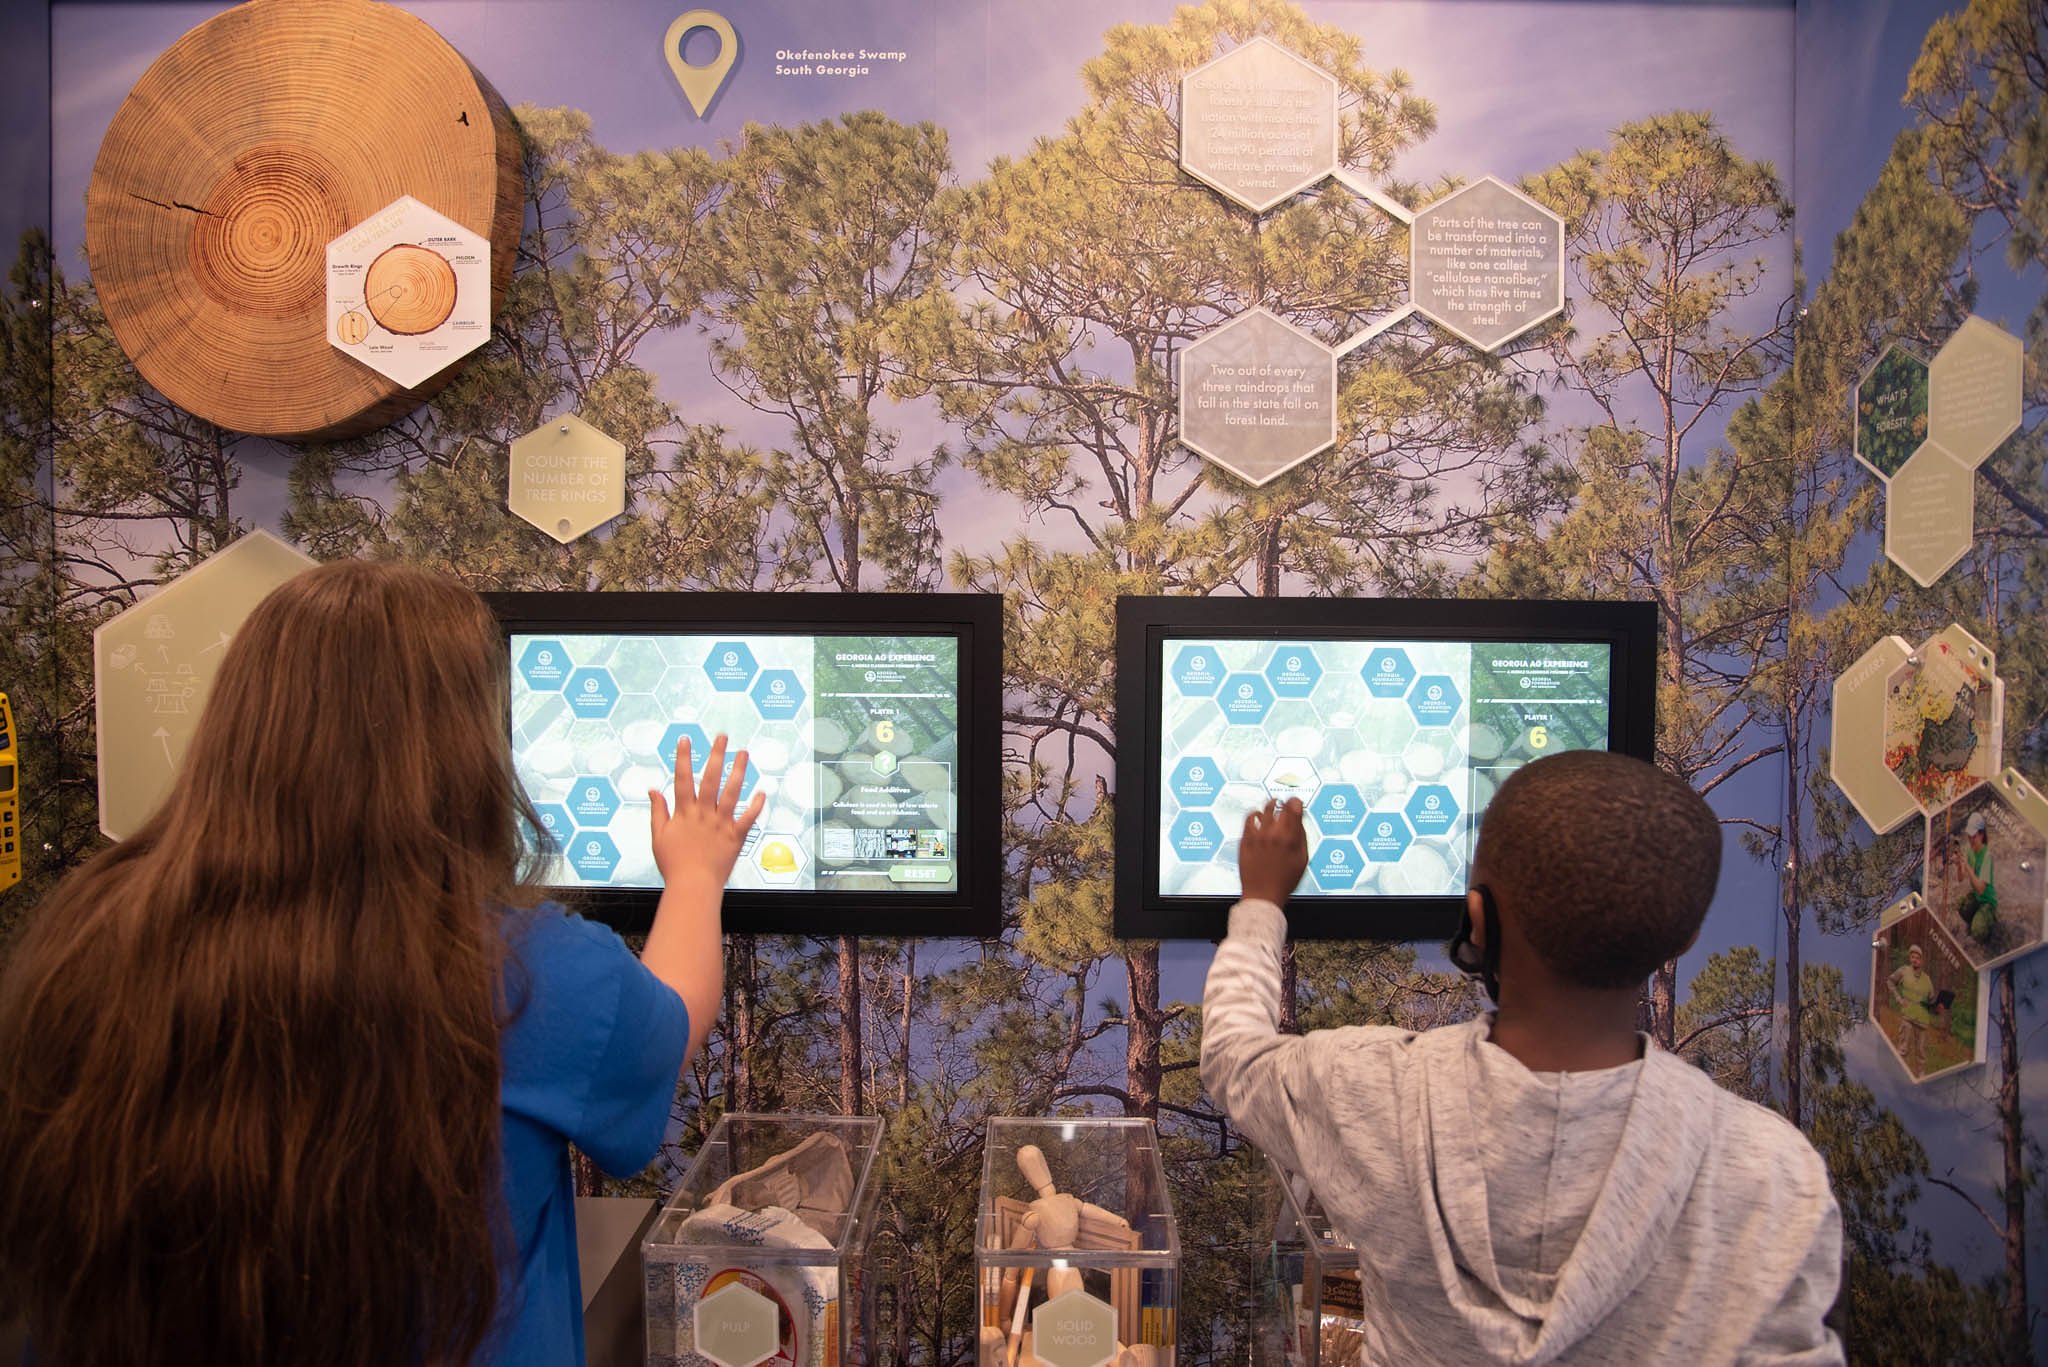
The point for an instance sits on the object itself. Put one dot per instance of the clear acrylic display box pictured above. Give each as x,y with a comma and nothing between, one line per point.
1309,1305
760,1255
1075,1248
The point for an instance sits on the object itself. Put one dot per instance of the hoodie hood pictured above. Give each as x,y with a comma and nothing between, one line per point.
1550,1194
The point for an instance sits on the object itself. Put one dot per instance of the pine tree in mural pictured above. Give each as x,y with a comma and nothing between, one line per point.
1674,322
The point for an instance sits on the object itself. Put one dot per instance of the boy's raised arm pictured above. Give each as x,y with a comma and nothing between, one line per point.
1262,1078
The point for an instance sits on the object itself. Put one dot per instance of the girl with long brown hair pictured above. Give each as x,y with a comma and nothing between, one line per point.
288,1076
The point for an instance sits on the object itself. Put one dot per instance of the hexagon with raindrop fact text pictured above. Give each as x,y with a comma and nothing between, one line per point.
1487,263
1258,396
1975,390
736,1326
1930,514
1074,1329
566,478
1259,124
154,664
592,693
1890,403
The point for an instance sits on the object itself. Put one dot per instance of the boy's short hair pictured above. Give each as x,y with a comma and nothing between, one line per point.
1606,862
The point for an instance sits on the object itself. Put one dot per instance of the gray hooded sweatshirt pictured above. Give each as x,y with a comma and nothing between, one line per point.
1637,1214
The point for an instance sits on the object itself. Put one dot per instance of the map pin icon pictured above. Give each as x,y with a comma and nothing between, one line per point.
700,83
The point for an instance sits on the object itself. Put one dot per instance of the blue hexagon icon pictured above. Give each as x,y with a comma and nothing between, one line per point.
1197,671
555,822
592,801
1195,836
1387,672
593,855
1245,699
1338,809
730,666
545,665
1195,781
700,745
1336,865
1293,671
778,694
1435,700
592,693
1431,809
1386,837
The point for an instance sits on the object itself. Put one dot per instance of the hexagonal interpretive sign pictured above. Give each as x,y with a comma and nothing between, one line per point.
1258,396
1974,391
1856,741
1487,262
566,478
1986,871
1891,411
1930,514
154,664
1944,715
1074,1330
1259,124
736,1326
408,292
1925,998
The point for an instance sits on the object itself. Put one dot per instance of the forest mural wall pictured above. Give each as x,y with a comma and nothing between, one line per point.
913,323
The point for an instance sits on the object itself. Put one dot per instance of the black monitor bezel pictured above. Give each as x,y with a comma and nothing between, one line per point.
974,908
1144,625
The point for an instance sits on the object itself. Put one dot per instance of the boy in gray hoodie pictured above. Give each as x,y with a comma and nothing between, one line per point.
1541,1184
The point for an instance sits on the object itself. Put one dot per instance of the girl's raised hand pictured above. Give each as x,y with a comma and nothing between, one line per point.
703,837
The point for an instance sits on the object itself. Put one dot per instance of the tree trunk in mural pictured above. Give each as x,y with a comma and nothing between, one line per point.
849,1026
739,1060
2012,1150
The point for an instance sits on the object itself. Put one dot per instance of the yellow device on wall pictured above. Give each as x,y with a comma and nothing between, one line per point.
10,800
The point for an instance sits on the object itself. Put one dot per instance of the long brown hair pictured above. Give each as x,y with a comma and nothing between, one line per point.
249,1062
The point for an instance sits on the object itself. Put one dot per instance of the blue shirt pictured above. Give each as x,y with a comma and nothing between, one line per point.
591,1055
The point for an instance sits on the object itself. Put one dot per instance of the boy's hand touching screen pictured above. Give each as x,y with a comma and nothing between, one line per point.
1273,853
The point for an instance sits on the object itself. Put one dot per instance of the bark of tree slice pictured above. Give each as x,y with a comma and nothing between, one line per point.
246,147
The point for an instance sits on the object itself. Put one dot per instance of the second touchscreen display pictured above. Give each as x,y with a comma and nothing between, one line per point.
854,739
1393,748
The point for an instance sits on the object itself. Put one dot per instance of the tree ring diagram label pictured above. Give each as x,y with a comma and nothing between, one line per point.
408,291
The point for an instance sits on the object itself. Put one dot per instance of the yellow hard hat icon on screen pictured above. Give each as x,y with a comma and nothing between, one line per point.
778,857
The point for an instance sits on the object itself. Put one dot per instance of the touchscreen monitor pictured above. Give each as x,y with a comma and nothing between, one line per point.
1392,721
869,726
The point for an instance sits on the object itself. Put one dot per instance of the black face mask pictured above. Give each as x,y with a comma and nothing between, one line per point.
1470,959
